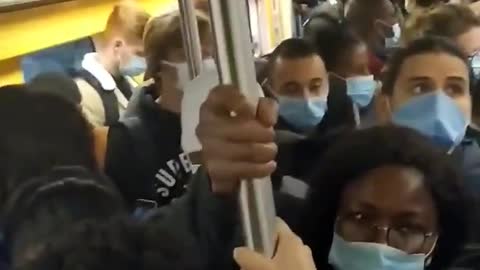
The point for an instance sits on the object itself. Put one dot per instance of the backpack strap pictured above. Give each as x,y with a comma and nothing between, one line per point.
108,97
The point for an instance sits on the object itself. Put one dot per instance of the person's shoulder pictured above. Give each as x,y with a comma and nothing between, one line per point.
136,103
469,152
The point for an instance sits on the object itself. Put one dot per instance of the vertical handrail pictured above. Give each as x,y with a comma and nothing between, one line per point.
191,37
235,66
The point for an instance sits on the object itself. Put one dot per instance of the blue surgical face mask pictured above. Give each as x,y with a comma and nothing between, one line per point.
136,66
394,42
301,113
372,256
436,116
361,89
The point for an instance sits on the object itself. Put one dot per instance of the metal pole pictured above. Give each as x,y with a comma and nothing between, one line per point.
191,37
235,66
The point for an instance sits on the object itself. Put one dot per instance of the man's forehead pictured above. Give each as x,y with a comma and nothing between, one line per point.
307,62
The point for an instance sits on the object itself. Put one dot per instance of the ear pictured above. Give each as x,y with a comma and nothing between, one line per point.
379,27
383,108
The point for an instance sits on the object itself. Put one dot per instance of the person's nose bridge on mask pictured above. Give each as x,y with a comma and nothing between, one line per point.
379,234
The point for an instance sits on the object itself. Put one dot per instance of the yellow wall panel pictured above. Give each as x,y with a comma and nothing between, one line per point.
29,30
26,31
10,72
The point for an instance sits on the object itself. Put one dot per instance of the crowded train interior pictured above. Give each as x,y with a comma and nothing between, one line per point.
239,134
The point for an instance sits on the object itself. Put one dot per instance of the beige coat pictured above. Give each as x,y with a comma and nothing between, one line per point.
92,105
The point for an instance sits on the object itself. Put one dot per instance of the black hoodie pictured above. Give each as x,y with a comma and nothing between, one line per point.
145,159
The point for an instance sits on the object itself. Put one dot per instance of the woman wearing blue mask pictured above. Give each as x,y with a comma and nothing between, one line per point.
459,24
427,88
346,58
399,207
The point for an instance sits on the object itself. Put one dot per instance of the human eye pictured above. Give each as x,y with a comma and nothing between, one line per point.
359,217
411,229
421,89
455,90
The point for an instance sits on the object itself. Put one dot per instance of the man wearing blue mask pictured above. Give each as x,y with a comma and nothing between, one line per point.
346,57
427,88
67,57
376,22
105,78
298,80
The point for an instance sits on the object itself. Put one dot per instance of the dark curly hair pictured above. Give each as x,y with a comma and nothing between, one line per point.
117,244
332,38
362,151
45,207
40,131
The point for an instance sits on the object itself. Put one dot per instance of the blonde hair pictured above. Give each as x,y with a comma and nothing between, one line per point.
449,21
163,33
126,20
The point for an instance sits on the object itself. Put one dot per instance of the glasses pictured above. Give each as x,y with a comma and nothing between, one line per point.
359,229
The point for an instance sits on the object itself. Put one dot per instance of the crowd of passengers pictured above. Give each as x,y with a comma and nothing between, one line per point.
113,157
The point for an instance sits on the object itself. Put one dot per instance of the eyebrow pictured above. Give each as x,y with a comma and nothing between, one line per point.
316,80
415,212
456,78
419,78
291,84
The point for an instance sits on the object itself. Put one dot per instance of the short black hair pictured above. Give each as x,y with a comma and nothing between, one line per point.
332,38
117,244
362,14
44,207
56,83
40,131
293,48
429,44
361,151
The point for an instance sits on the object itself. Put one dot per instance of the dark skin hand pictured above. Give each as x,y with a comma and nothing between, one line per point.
236,147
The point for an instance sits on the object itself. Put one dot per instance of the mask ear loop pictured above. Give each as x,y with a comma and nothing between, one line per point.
458,140
429,257
356,115
356,110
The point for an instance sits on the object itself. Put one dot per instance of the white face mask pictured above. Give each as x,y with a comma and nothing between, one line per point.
183,73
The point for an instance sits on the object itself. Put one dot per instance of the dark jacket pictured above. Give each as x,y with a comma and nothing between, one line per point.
145,158
141,97
473,134
468,156
212,221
